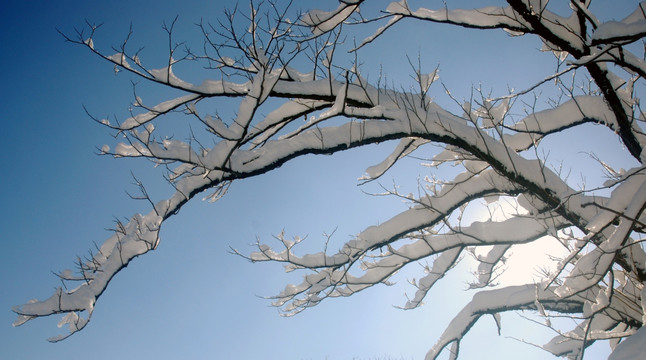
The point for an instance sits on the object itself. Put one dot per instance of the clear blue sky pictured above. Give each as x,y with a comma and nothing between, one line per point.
192,299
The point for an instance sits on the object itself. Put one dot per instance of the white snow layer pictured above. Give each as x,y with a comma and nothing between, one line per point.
632,348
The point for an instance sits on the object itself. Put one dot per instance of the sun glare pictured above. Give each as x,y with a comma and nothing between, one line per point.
531,261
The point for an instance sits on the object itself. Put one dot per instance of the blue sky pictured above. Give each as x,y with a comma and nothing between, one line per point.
191,298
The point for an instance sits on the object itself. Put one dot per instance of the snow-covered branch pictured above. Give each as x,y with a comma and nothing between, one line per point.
281,72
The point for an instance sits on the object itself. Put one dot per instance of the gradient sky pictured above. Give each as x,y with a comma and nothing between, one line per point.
191,298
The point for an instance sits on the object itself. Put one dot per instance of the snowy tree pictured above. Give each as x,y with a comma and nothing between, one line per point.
297,98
